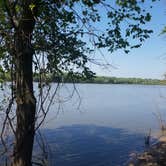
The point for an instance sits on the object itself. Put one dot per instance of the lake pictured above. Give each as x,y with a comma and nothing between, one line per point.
102,124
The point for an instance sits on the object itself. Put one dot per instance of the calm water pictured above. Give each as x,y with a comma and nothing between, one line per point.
130,107
101,125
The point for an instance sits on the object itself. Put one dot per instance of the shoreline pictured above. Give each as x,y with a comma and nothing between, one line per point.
155,155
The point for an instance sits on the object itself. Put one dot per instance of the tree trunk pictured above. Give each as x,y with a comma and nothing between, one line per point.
25,100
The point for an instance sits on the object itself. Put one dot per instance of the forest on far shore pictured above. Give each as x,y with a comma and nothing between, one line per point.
95,79
102,80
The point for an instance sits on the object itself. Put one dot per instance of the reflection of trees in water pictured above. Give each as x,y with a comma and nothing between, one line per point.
91,145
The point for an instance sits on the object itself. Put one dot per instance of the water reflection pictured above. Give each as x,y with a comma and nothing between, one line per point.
90,145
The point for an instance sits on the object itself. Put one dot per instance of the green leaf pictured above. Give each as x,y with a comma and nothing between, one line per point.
148,17
32,6
18,8
163,31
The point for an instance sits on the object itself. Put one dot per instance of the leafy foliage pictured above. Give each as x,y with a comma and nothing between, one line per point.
64,28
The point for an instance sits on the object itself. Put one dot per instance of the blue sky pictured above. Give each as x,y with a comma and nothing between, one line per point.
149,61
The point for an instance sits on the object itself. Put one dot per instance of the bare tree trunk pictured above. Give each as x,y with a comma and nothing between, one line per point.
26,103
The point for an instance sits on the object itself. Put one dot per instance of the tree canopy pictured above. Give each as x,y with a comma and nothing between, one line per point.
67,32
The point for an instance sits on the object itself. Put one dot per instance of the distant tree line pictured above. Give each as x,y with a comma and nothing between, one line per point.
66,78
100,80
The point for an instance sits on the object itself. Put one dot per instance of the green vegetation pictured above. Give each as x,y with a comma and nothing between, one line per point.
95,79
115,80
101,80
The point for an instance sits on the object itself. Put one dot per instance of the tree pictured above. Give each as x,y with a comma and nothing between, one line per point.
47,36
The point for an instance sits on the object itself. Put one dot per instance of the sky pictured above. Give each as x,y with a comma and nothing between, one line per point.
149,61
